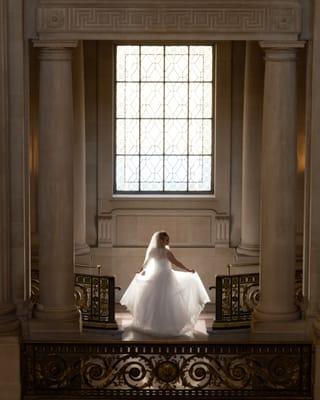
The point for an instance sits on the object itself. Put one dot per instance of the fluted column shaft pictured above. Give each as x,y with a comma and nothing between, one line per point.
251,157
8,319
56,239
81,246
278,185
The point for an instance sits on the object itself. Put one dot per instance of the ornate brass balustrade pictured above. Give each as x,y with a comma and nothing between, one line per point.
167,370
94,295
236,297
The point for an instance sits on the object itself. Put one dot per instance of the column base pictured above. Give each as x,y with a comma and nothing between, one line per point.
54,319
252,250
10,382
9,324
287,330
277,323
244,265
260,315
81,249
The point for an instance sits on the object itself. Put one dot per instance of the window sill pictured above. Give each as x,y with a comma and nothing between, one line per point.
163,197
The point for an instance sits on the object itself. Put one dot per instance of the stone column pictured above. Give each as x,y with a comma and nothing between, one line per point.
8,320
81,246
251,157
56,309
312,210
278,187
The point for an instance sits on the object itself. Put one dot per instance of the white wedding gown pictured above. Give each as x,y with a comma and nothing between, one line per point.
164,302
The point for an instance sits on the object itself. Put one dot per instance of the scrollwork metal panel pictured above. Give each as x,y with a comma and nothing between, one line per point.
238,295
127,370
94,295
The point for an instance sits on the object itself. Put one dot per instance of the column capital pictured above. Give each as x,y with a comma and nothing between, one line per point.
282,45
281,51
55,44
55,51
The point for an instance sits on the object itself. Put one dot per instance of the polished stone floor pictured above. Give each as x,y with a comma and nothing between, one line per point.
204,333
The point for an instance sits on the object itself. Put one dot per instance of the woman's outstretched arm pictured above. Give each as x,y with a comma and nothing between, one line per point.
176,262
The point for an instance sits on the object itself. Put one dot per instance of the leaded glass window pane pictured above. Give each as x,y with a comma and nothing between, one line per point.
128,172
176,136
164,121
199,173
151,136
200,136
176,100
176,173
151,100
127,136
152,61
151,173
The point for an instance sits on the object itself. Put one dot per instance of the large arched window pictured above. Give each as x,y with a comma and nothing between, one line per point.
164,119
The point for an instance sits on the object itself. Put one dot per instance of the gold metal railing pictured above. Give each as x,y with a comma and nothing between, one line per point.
239,265
237,296
168,370
94,295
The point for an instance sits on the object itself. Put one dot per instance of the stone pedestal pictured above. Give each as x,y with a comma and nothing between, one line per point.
251,157
10,368
56,309
278,187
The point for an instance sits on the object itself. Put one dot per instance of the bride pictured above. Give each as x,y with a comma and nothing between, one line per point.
164,302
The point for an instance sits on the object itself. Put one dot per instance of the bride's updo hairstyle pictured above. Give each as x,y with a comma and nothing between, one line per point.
163,235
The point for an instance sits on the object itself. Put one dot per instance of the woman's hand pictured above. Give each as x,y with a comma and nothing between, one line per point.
140,271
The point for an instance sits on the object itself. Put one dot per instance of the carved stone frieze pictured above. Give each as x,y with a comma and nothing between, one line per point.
176,17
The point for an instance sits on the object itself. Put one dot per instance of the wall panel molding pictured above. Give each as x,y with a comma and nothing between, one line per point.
222,224
105,230
187,228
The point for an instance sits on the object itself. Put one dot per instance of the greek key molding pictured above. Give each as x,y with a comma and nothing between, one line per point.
174,17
